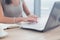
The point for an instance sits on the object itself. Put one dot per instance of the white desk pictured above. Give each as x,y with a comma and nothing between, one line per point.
20,34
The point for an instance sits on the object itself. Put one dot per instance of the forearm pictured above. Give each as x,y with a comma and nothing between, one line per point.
10,20
26,9
6,20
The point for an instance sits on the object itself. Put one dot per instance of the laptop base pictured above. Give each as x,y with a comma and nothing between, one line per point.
42,31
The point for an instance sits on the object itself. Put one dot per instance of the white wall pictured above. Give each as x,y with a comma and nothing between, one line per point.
46,5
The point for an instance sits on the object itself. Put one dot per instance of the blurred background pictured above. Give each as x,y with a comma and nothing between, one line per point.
40,7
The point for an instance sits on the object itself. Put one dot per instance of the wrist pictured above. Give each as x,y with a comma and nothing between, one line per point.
24,19
16,20
29,14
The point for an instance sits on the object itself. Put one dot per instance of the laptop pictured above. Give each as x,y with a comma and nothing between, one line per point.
45,22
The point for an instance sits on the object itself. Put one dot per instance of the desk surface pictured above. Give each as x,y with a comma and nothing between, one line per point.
20,34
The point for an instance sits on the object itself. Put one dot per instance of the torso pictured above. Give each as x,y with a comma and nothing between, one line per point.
12,11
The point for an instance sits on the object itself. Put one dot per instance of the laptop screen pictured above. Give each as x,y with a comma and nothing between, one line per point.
54,18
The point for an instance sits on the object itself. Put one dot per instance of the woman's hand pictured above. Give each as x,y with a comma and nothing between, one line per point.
32,18
27,19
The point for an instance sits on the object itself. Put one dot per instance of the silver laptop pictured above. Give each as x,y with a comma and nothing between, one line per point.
45,22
